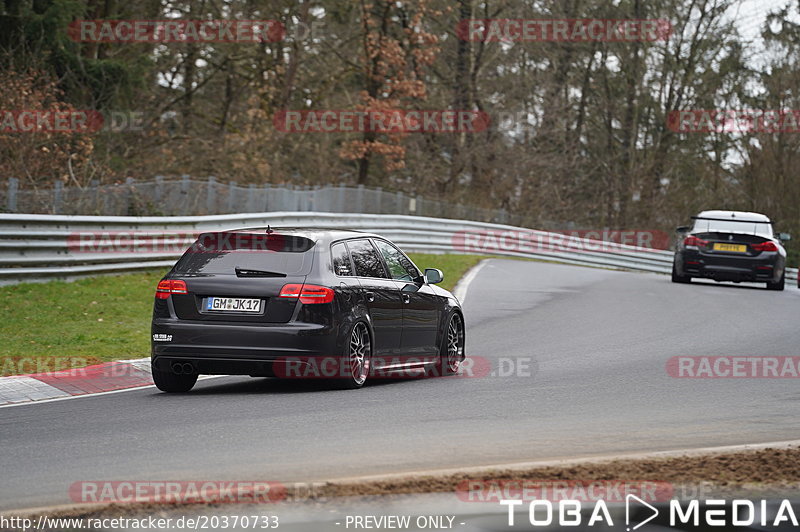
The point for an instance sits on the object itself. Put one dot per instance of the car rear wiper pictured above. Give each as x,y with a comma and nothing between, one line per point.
249,272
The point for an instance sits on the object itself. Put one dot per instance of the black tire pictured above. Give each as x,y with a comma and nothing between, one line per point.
451,353
683,279
778,286
358,357
169,382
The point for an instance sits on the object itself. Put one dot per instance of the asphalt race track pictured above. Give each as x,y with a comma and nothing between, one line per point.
589,348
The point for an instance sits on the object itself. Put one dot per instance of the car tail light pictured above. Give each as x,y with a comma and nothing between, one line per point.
765,246
307,293
166,288
694,241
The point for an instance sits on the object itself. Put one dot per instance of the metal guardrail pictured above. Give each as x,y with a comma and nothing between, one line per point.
36,247
187,196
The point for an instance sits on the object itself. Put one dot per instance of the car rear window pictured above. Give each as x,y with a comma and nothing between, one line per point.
222,253
703,225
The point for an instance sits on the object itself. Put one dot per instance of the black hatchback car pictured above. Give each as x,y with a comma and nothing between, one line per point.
731,246
338,305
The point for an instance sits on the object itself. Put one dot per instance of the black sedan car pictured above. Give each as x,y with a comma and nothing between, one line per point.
730,246
338,305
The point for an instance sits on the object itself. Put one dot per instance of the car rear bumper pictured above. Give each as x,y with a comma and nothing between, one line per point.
767,267
226,349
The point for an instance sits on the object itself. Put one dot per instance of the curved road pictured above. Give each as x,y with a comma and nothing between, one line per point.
595,344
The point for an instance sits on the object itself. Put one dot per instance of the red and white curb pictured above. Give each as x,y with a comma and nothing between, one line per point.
99,378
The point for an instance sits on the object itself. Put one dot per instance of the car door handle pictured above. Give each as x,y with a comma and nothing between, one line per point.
370,296
406,298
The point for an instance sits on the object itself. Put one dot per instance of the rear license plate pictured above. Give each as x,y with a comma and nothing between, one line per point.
233,304
736,248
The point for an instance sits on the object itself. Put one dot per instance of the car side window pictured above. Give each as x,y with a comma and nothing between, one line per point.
341,260
400,268
365,259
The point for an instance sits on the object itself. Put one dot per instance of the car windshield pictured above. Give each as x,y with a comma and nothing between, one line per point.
224,253
707,225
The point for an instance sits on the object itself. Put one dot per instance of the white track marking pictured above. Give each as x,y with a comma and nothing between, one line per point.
460,291
67,398
18,389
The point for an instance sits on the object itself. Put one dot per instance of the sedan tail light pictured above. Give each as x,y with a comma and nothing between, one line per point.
694,241
765,246
166,288
308,294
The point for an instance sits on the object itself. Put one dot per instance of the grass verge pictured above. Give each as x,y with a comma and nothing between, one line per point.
60,325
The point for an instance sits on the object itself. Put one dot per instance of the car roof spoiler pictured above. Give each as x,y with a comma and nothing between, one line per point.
733,220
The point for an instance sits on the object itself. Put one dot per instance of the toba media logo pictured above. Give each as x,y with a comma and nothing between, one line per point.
686,515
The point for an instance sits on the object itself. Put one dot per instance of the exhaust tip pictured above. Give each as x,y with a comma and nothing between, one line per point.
184,368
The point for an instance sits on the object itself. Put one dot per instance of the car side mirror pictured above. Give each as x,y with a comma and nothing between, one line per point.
683,229
433,276
784,237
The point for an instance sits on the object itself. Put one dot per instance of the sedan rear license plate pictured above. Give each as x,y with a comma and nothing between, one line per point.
233,304
735,248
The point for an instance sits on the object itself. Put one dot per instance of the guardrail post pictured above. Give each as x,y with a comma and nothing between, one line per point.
379,196
418,206
11,198
184,194
267,196
231,195
399,202
211,195
94,186
360,199
341,200
251,198
159,190
311,198
130,195
58,196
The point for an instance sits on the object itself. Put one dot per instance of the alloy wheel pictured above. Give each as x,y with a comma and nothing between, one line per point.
455,343
360,349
